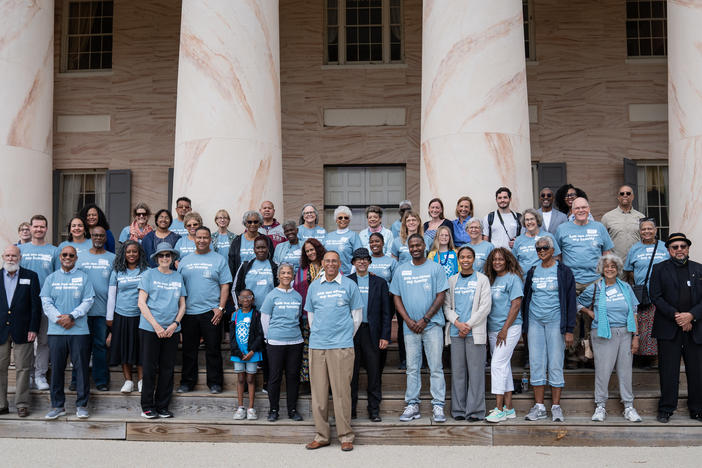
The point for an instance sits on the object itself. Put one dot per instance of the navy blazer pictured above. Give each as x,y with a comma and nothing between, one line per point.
379,314
557,218
24,314
665,294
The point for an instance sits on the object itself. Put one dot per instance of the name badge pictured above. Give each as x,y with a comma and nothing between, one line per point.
27,281
261,282
611,292
406,273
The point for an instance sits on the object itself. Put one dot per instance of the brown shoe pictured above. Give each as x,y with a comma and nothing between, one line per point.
22,412
314,445
346,446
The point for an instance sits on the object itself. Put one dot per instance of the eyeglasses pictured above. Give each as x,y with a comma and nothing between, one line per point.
621,194
542,248
163,255
342,218
221,217
678,247
255,221
247,297
192,225
308,213
140,215
68,255
546,195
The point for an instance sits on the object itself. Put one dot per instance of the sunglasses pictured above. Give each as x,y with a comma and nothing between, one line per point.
621,194
140,215
163,255
678,247
542,248
68,255
247,297
342,217
546,195
192,225
255,221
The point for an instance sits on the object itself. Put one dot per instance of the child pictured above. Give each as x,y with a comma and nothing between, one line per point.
247,343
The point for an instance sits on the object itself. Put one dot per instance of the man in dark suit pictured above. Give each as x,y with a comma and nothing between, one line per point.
20,316
676,291
373,334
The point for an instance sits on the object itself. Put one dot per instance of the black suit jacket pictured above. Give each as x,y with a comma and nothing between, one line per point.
379,315
24,314
665,291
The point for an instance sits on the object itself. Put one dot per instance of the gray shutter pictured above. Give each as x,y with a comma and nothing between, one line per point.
56,197
631,179
119,199
552,175
170,189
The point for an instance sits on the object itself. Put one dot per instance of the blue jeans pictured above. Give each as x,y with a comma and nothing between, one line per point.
98,348
432,340
546,351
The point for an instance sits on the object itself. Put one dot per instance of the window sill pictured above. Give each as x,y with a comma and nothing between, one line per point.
646,60
85,74
365,66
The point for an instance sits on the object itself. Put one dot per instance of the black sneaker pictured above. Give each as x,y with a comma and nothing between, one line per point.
164,413
215,389
72,387
273,416
294,415
183,389
149,414
103,387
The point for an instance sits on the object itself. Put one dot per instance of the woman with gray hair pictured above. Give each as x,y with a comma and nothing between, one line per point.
611,304
242,247
308,227
343,241
524,243
290,250
482,248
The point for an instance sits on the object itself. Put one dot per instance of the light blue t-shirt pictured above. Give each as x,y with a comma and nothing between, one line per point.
395,228
203,275
504,290
124,235
332,303
525,249
221,244
617,308
242,326
582,247
246,249
363,288
304,233
98,269
284,309
39,258
418,286
545,305
383,266
165,291
482,251
344,244
288,253
184,247
464,294
259,279
68,290
638,258
400,251
81,247
179,228
127,283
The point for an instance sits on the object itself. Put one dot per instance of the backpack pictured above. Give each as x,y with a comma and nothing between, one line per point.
491,218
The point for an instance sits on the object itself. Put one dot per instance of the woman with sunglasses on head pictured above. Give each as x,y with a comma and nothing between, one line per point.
308,228
162,233
344,241
94,216
242,248
140,227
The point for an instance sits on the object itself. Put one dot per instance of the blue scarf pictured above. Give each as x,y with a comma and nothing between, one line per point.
603,328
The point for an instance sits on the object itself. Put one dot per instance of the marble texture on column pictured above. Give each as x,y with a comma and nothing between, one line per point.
228,134
475,115
26,94
685,120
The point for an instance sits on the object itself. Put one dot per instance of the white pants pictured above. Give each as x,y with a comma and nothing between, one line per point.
500,366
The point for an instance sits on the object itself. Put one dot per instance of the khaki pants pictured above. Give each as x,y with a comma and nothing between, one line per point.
24,357
335,367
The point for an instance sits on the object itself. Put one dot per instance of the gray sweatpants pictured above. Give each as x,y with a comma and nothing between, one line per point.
608,353
467,378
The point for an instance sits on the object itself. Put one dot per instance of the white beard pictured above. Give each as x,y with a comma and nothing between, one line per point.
11,267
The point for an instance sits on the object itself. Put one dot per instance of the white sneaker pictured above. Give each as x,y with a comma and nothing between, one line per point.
240,413
411,412
41,383
139,385
127,387
251,414
631,415
600,414
438,413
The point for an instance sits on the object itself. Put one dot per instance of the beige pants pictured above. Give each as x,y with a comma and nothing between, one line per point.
335,367
24,358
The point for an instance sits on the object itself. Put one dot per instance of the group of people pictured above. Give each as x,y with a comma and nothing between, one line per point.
315,306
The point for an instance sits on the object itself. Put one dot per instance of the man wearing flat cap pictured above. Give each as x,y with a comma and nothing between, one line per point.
373,335
676,290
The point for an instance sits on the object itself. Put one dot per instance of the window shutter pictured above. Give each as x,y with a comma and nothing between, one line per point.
552,175
119,199
631,179
55,200
170,189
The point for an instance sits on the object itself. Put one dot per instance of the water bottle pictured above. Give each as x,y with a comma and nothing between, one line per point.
525,382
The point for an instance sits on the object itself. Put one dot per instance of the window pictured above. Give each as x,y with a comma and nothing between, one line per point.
360,186
77,189
646,28
363,31
87,36
528,14
652,194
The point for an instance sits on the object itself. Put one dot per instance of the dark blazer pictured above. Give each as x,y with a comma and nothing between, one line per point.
256,341
557,218
664,290
24,314
566,296
379,314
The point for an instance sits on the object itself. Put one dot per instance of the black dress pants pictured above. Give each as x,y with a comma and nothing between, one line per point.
367,354
669,353
193,328
158,356
284,358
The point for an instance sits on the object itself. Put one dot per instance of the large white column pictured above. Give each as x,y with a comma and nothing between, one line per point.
26,112
685,120
228,135
475,115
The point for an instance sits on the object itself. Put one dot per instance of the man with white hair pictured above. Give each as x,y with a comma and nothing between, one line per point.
20,315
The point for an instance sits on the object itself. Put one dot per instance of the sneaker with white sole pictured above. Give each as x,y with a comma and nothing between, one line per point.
82,412
496,415
41,383
438,414
139,385
600,414
509,413
536,412
557,414
240,413
251,414
127,387
631,415
55,413
411,412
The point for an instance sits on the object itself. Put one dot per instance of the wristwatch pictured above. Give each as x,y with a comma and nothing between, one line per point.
426,320
221,309
177,323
